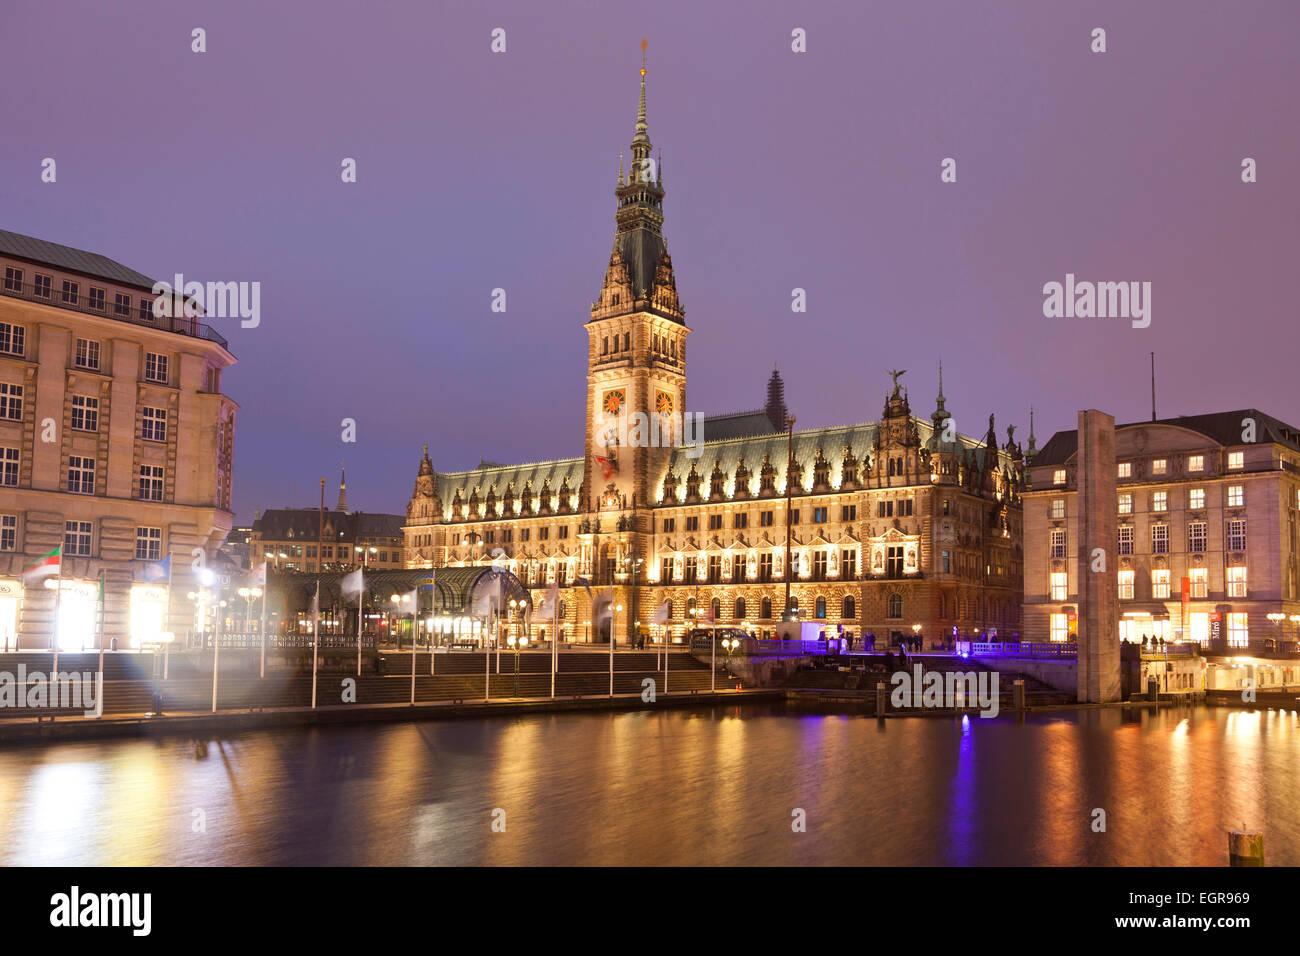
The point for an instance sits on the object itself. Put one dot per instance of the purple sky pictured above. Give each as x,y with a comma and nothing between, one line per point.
818,170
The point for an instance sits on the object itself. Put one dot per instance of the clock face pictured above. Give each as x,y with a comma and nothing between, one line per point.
613,401
663,403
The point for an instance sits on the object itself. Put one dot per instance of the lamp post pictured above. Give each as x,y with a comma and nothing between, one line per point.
916,629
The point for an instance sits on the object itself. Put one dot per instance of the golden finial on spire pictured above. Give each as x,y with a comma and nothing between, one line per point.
644,43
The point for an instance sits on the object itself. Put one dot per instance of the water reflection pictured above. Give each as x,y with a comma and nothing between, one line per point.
670,787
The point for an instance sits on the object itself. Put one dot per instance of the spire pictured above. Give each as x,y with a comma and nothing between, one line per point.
620,170
343,490
638,232
1032,450
775,408
940,411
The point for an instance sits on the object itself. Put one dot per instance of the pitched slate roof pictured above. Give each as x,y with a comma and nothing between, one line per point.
281,524
1223,428
738,425
70,260
501,477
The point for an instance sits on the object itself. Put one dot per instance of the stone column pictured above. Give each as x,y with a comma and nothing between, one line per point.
1097,568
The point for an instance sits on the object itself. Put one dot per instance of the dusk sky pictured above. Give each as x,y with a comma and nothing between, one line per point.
817,170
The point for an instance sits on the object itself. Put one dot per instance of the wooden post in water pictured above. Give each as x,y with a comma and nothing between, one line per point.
1018,695
1245,847
881,699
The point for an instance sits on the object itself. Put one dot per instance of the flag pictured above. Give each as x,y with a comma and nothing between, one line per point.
585,584
46,565
661,615
607,466
708,615
549,602
158,571
353,584
259,574
100,596
315,603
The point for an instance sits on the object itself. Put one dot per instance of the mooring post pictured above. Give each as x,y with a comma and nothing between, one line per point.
1245,847
1018,695
881,699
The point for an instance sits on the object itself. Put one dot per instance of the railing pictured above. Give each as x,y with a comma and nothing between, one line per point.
179,325
280,640
757,647
1021,649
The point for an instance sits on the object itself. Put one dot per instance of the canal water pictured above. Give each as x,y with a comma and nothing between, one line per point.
708,787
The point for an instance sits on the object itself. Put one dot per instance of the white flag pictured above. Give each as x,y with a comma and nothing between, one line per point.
354,583
259,575
550,600
661,615
315,602
600,607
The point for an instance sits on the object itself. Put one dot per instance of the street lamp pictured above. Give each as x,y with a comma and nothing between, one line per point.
1277,618
916,629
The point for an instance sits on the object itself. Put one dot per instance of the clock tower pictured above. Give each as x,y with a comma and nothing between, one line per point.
636,348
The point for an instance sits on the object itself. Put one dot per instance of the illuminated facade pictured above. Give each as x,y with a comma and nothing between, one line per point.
895,525
1207,504
115,442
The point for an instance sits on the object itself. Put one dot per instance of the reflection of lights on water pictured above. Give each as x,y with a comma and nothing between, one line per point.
62,795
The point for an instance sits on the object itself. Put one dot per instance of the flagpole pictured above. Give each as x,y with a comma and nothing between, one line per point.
167,618
315,643
613,618
487,668
361,593
58,602
415,643
216,653
266,586
555,638
433,611
100,694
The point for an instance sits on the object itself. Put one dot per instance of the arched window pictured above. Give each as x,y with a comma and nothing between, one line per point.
690,609
819,609
765,609
793,606
740,609
895,605
715,608
850,610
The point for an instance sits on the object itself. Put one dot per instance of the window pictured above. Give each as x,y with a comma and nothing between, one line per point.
81,475
1236,496
794,515
121,304
96,299
563,531
1236,582
153,424
848,565
12,338
87,354
1126,504
1060,631
1126,469
1058,584
894,561
765,519
1196,537
1200,582
543,534
1058,508
947,562
145,313
715,522
691,570
148,544
715,568
819,608
11,402
151,483
1195,462
85,413
1058,542
765,568
848,512
1126,539
70,290
1126,585
692,522
76,538
740,520
1238,632
41,286
9,467
670,524
819,565
884,509
1058,476
1160,539
1159,501
850,608
1159,466
765,608
739,609
1160,585
1236,459
1196,498
819,516
895,605
1237,534
8,532
155,367
13,279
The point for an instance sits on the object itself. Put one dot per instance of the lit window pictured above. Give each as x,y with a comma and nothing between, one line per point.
1126,504
1236,582
1200,583
1159,466
1058,508
1238,631
1058,585
1236,459
1160,585
1058,542
1237,534
1126,585
1236,496
1125,469
1195,462
1196,537
1060,628
1159,501
1058,476
1196,498
1160,539
1126,539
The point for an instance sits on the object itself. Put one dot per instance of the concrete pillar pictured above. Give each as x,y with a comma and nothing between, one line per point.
1098,660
